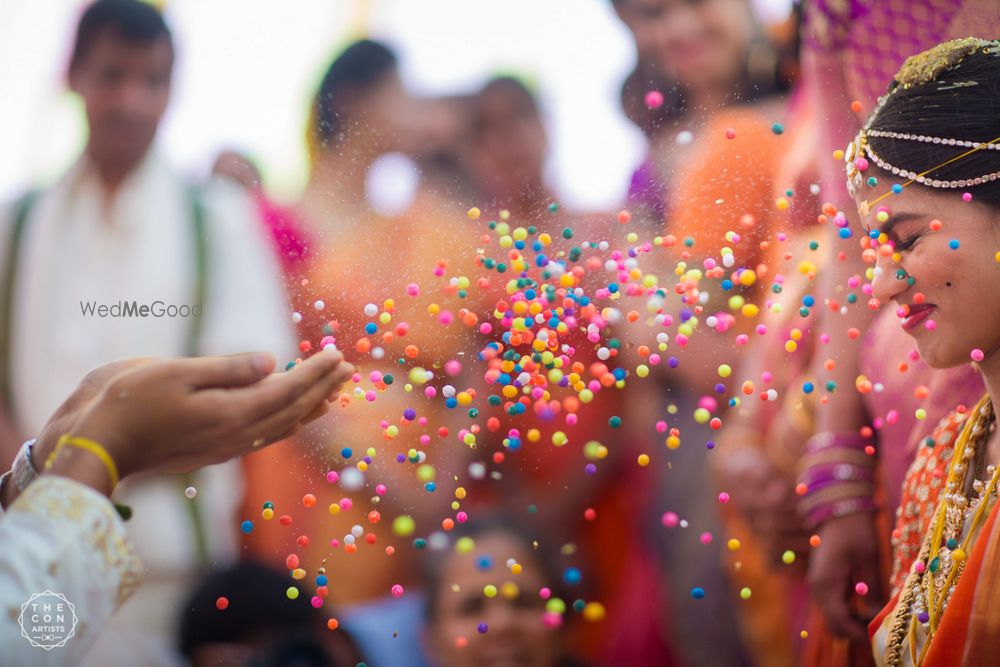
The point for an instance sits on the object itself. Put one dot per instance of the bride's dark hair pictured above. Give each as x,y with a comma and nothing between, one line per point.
961,102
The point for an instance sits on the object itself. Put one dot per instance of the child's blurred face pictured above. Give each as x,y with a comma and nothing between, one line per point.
125,88
693,42
515,634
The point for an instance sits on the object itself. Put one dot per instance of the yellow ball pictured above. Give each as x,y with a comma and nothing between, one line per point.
643,460
593,612
490,591
474,213
733,544
725,371
745,593
788,557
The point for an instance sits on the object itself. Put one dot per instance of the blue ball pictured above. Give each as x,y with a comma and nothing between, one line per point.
247,526
697,593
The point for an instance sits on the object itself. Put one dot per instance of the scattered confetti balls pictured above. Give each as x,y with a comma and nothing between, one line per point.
778,128
292,593
643,460
745,593
730,133
953,244
788,557
222,603
474,213
482,628
861,588
977,355
397,591
190,492
654,99
332,624
697,593
247,527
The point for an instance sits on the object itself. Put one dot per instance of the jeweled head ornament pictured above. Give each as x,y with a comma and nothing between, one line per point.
920,70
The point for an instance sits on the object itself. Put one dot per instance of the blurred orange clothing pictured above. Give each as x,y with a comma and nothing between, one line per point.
372,262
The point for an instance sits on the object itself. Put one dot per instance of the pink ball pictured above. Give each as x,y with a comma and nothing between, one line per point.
723,497
706,538
397,591
977,355
654,99
861,588
730,133
670,519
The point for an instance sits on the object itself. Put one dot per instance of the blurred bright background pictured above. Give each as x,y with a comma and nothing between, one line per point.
247,69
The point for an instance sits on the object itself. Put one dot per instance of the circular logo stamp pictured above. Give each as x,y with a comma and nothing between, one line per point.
47,620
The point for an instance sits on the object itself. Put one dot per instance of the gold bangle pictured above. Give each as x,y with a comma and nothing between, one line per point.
87,445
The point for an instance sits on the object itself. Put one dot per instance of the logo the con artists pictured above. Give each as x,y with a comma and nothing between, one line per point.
47,620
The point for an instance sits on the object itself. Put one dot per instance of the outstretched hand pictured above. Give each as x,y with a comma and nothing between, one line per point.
179,415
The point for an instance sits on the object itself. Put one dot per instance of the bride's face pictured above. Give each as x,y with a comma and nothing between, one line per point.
938,265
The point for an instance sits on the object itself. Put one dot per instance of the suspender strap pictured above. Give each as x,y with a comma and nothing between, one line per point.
193,348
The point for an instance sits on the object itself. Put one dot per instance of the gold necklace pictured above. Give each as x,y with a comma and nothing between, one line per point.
932,579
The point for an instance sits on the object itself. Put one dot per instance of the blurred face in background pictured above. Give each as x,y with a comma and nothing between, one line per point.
693,42
125,88
381,112
515,636
508,141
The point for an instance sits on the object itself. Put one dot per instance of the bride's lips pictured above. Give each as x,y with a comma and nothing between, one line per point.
917,313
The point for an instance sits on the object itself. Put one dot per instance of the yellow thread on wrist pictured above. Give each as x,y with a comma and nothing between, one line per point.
87,445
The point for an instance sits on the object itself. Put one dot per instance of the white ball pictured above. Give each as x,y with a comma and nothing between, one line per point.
351,479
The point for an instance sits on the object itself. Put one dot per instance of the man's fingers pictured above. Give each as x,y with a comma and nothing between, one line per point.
258,402
295,413
238,370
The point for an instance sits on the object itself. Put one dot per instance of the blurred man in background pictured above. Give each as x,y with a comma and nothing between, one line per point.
123,257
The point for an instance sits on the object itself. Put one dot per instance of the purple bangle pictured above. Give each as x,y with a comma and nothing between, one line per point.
831,473
830,440
839,509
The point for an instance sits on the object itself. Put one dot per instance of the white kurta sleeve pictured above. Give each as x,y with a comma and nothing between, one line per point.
65,566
